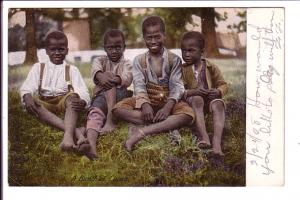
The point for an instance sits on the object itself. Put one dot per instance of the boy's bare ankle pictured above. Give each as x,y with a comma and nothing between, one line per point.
67,146
108,127
135,135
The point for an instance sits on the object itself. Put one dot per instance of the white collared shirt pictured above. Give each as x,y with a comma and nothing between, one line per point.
54,82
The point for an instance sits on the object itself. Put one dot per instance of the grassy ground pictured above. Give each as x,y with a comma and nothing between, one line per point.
36,160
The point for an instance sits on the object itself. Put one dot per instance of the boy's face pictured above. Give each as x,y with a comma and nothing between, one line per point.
57,50
154,39
114,48
191,52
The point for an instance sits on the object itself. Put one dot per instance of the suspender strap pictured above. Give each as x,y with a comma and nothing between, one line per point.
67,78
42,67
143,62
143,59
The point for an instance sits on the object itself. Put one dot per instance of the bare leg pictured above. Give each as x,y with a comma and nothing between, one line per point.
92,136
71,117
197,105
131,116
95,120
218,121
51,119
110,97
171,123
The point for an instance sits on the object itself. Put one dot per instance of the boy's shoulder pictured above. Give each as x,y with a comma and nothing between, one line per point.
208,63
101,58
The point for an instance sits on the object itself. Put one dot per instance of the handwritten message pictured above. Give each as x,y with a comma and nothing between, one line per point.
265,59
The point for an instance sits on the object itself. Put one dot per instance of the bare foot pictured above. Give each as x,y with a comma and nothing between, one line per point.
81,138
202,144
92,153
66,145
135,135
217,148
84,148
107,128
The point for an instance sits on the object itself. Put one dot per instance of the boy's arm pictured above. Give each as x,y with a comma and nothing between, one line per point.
126,75
218,80
176,87
31,84
195,92
79,85
97,67
139,84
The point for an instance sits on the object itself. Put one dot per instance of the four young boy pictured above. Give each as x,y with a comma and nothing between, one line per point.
167,94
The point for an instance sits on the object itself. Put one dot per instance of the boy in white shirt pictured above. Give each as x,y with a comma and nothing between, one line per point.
55,87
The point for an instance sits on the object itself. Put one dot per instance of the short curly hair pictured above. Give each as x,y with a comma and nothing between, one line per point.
153,21
58,35
113,33
199,37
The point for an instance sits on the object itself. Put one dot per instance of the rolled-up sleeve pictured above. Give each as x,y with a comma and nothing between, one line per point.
31,84
79,85
126,74
139,84
176,86
218,80
96,67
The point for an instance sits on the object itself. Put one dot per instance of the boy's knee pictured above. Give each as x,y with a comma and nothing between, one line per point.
217,106
95,119
197,101
116,112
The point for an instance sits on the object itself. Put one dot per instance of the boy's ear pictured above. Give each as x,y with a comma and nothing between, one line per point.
47,51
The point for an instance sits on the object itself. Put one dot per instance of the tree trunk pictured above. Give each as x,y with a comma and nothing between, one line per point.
208,28
31,49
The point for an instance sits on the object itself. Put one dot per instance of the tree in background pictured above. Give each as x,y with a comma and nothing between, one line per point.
129,20
176,20
31,48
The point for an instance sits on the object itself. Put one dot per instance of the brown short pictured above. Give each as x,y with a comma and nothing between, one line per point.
207,103
180,107
55,104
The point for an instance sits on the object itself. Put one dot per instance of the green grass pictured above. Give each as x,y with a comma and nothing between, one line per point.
36,160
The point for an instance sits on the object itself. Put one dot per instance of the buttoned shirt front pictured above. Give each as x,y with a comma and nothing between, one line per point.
53,82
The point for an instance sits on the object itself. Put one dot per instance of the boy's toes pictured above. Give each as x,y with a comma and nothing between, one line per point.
67,147
84,148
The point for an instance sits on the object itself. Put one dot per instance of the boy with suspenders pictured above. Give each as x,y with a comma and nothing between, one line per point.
158,88
55,87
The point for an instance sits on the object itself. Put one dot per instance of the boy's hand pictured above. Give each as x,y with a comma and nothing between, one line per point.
116,80
214,94
30,105
164,112
202,92
147,112
106,80
78,104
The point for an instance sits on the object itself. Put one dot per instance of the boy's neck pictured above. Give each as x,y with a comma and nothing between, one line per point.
115,62
56,64
197,64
